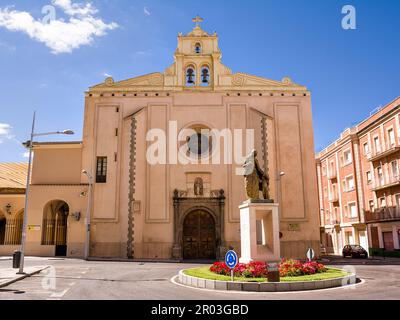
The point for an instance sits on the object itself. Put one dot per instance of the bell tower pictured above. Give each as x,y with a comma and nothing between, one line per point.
197,60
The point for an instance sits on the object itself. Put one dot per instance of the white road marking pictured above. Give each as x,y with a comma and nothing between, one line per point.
59,294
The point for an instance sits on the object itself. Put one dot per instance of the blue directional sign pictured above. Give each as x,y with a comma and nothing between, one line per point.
231,259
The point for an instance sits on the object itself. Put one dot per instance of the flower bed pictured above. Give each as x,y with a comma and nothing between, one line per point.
287,268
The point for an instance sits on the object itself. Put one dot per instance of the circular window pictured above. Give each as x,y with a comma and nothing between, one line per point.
198,144
197,141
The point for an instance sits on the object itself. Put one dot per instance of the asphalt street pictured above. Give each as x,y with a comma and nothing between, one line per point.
69,279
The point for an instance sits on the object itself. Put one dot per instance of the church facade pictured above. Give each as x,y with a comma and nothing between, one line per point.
164,152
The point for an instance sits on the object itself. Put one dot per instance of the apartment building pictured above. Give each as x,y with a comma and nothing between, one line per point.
359,184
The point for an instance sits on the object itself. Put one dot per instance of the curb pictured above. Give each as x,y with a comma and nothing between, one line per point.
265,286
22,276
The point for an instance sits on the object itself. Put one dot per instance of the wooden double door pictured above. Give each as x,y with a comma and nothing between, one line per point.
199,240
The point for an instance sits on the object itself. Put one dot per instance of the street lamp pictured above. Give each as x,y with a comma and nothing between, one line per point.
278,195
87,240
29,144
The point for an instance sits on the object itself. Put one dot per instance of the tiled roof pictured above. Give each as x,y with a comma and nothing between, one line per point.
13,175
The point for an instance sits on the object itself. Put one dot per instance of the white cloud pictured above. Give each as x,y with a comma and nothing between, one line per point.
59,35
105,74
5,132
146,11
25,154
72,9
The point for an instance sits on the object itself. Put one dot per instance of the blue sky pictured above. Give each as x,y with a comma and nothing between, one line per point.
350,72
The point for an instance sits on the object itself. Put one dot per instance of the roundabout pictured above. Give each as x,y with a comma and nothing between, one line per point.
203,278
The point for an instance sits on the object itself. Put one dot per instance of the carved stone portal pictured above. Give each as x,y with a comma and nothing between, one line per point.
199,226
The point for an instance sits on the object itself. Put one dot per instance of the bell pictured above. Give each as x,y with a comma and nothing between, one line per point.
205,76
190,79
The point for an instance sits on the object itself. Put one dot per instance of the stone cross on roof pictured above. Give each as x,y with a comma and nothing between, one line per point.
197,20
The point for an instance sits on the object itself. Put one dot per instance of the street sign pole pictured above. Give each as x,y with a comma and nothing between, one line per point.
231,261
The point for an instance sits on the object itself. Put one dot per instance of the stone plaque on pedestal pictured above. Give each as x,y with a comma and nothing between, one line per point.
268,246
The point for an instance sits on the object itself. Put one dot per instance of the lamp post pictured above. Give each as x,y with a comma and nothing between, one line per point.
87,240
29,145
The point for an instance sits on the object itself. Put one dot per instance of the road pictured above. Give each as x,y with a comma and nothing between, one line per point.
76,279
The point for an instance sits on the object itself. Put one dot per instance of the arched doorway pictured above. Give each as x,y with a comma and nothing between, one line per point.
3,223
55,215
199,241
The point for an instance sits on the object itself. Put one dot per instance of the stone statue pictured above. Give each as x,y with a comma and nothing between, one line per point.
198,187
255,178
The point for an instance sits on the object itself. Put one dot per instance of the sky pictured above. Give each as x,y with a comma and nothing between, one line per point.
51,51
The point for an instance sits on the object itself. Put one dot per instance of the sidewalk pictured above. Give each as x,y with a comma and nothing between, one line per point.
9,275
375,260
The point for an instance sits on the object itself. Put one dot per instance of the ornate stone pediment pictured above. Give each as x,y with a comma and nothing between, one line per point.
148,80
247,80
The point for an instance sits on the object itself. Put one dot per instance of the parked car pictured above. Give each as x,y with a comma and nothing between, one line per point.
354,251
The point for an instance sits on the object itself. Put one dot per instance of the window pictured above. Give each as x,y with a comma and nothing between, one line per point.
190,76
392,141
334,194
197,48
395,170
198,144
324,171
353,210
371,205
101,170
349,183
397,196
369,177
347,157
332,167
380,176
377,145
382,202
366,148
205,76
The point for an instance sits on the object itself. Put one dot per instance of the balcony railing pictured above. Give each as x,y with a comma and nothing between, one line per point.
379,185
383,214
332,221
378,154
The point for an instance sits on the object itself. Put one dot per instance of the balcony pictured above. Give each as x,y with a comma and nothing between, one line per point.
383,214
332,175
332,221
334,198
379,154
380,185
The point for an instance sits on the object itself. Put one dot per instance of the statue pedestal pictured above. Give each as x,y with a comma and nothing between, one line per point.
259,231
